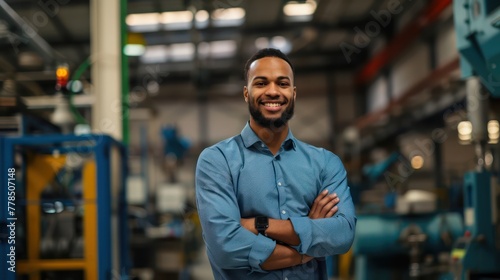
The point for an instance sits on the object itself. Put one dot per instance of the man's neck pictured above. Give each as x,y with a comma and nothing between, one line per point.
272,137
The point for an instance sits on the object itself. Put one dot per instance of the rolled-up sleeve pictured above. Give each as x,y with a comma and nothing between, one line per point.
231,245
329,236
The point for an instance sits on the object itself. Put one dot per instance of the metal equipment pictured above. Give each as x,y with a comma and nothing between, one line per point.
64,230
390,246
477,23
407,238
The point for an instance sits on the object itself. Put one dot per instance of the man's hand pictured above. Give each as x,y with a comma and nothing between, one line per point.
324,206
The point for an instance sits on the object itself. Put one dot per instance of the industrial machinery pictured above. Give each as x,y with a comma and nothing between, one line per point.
408,238
67,214
477,253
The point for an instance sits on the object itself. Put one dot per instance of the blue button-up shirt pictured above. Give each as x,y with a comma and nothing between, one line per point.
240,178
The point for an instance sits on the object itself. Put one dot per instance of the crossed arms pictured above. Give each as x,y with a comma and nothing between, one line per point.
324,206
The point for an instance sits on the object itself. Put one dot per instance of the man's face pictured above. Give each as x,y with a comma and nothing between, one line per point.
270,92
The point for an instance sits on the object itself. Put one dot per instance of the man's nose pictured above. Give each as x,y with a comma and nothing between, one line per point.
272,89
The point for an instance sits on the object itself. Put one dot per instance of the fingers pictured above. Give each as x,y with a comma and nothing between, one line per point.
321,196
329,204
332,212
324,206
306,259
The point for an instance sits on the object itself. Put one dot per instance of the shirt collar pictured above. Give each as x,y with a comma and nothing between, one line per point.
250,138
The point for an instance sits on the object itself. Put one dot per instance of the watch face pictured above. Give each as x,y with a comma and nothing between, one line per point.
261,222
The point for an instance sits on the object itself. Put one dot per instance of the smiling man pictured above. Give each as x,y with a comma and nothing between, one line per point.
271,206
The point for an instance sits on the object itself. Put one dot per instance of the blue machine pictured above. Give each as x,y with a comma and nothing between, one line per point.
397,245
392,246
29,160
477,24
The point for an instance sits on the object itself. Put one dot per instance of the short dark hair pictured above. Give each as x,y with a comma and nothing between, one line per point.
267,52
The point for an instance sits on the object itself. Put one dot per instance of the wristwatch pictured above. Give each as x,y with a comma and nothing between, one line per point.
261,224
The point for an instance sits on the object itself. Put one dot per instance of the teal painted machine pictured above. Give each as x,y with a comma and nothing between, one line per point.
392,246
477,25
477,254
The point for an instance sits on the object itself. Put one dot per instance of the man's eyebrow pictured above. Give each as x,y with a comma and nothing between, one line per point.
260,77
284,78
265,78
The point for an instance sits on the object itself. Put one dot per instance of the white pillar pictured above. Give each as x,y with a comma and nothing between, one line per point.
106,67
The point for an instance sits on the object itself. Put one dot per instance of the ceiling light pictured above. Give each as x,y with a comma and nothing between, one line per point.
201,19
201,16
281,43
464,127
262,42
176,17
143,19
181,52
146,22
277,42
417,162
493,131
299,9
217,49
177,20
134,50
464,132
228,17
155,54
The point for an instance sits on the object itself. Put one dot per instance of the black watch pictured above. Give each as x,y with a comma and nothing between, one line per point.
261,224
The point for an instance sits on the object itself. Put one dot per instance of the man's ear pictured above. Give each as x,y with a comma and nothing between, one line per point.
294,93
245,93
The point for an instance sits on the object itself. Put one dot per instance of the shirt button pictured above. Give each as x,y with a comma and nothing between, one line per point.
262,145
283,212
279,184
286,278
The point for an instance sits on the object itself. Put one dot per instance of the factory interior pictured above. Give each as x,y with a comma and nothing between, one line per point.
105,107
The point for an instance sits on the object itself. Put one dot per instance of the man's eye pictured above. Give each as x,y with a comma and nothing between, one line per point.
284,84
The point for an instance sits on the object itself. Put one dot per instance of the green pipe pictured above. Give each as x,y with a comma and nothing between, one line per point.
125,77
76,76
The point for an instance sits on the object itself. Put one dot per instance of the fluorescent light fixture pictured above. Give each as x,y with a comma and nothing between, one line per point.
262,42
493,131
155,54
134,49
281,43
300,11
464,132
202,15
228,17
278,42
177,20
176,17
217,49
143,19
201,19
146,22
181,52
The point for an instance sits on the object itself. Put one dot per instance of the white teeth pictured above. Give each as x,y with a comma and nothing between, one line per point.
272,104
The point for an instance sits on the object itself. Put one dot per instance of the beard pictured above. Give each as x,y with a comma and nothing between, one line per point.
271,122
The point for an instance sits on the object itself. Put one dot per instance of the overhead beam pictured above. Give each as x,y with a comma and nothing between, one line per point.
40,45
402,40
